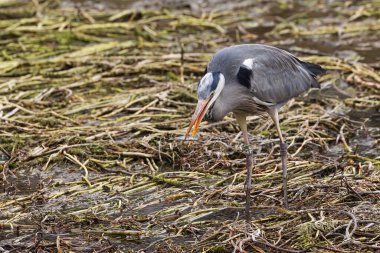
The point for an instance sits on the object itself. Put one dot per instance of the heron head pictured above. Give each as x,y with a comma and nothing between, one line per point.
209,89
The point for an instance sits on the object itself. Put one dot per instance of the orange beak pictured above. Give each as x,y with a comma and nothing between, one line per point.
197,117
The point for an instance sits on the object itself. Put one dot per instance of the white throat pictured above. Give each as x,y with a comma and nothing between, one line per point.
218,90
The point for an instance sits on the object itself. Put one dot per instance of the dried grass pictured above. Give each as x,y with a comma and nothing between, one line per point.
92,101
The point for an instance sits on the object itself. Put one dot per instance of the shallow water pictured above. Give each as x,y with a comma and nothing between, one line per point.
98,4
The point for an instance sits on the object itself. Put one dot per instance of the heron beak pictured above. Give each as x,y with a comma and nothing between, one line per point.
197,117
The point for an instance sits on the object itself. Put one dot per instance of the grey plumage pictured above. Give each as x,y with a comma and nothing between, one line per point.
275,77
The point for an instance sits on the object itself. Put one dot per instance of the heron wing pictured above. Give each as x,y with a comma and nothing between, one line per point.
274,76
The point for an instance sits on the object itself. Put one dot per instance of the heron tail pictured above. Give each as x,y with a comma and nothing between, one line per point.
313,69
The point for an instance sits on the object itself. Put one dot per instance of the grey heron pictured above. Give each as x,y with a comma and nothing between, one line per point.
252,79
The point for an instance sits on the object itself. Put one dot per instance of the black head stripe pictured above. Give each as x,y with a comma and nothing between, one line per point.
244,76
215,80
208,84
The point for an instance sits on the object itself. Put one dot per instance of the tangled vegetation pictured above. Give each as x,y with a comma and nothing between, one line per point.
92,101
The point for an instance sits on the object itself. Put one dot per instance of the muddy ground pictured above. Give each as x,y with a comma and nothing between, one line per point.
94,93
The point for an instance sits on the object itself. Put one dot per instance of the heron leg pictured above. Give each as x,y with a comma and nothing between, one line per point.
284,158
284,155
241,119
